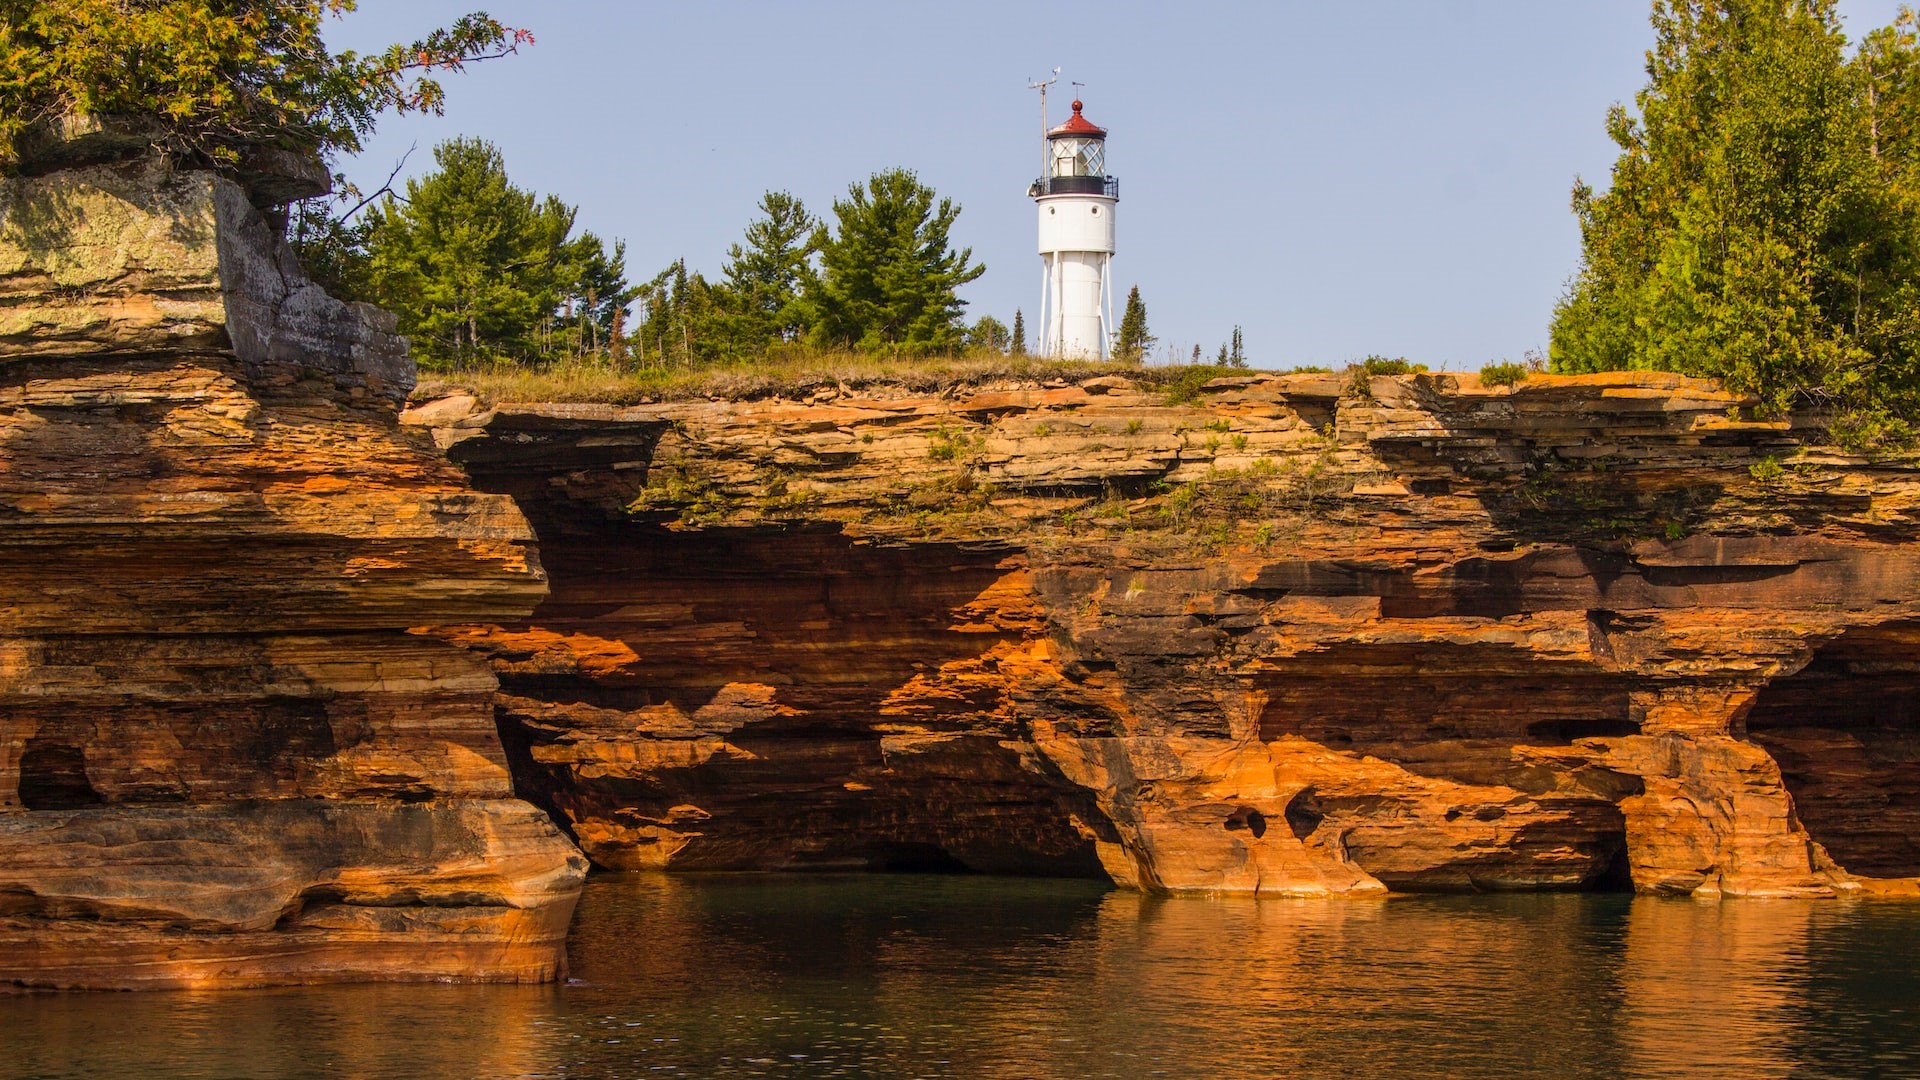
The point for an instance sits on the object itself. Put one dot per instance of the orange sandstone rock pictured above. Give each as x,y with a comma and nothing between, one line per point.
1296,636
223,759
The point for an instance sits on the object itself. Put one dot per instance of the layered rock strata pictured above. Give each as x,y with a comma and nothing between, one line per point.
224,761
1290,634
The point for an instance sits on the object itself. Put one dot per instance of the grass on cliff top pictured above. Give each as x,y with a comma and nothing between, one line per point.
790,375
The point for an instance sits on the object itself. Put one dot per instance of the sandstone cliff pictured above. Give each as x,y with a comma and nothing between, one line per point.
223,759
1290,634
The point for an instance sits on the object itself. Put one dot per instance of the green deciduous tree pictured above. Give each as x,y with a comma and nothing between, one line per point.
988,333
888,274
1755,228
1130,345
477,268
221,76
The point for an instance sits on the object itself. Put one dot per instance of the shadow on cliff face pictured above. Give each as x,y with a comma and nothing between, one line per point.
779,699
1846,732
1450,712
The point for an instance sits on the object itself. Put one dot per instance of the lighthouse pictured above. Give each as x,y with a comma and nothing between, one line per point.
1076,199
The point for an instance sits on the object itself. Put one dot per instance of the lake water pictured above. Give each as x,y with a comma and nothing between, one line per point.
907,976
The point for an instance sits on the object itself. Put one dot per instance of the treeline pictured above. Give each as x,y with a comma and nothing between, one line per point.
884,278
479,270
1763,221
475,268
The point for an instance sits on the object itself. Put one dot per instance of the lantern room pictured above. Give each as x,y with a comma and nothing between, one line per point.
1076,158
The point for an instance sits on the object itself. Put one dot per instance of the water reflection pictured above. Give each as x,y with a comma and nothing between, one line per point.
978,977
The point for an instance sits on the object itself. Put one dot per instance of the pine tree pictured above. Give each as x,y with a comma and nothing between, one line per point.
1196,353
888,276
688,321
1221,359
767,274
1237,356
477,268
1019,345
1132,342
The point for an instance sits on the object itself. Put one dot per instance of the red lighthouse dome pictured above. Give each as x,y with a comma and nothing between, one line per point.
1078,127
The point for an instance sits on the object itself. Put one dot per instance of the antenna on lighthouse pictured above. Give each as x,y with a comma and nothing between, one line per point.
1041,85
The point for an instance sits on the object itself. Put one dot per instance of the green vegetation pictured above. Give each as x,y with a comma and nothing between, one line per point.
1763,221
885,280
989,334
1134,341
766,274
888,276
1382,365
220,78
952,444
477,269
1188,380
787,372
1503,373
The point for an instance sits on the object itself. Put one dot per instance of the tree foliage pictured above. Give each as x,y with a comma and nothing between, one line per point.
1133,341
1761,221
766,275
478,269
889,276
688,321
1018,345
220,75
990,334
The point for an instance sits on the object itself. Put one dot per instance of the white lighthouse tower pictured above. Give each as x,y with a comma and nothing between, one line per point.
1076,199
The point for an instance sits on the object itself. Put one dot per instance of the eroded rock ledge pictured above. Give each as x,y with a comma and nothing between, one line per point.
223,759
1294,635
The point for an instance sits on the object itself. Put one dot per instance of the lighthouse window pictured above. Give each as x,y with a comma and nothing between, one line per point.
1096,211
1078,157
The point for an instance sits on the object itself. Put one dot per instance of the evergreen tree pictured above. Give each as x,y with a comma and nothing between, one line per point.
477,268
1018,347
888,275
1237,356
1756,228
767,274
594,293
1196,353
1132,342
1220,360
688,321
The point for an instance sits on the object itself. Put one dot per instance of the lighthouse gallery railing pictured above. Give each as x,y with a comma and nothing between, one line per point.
1075,185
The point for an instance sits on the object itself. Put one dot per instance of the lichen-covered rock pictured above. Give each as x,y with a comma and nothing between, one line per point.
1296,635
224,759
136,258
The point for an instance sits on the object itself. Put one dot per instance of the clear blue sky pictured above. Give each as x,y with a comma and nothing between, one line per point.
1340,179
